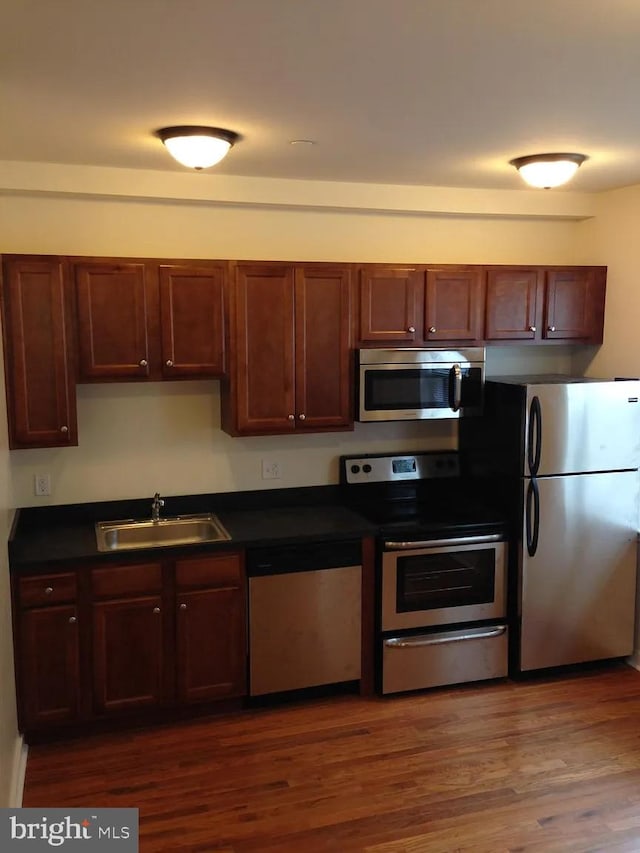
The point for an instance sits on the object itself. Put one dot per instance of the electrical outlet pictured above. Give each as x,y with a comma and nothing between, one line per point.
42,485
271,469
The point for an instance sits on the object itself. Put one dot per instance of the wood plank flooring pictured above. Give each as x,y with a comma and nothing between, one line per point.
546,765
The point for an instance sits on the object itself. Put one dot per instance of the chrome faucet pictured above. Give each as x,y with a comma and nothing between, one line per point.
155,507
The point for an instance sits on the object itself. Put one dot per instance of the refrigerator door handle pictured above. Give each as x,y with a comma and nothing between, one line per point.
532,514
534,437
455,388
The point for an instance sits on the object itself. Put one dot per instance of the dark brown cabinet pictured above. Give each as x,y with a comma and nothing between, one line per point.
145,320
39,367
389,304
453,305
291,360
418,306
574,304
48,650
128,637
514,302
545,304
210,632
133,638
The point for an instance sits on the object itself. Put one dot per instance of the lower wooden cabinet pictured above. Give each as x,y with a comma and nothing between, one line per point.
110,640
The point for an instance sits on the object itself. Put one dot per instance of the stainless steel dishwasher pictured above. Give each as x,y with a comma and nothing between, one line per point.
304,615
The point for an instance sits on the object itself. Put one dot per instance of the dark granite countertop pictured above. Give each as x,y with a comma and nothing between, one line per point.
45,535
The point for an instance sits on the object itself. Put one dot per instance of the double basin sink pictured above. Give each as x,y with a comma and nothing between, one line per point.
165,532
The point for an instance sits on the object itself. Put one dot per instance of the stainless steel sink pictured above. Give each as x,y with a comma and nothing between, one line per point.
179,530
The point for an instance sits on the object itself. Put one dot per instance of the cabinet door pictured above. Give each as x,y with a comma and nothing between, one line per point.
112,320
49,665
128,653
389,305
264,338
574,306
211,656
322,354
453,305
192,320
41,402
513,299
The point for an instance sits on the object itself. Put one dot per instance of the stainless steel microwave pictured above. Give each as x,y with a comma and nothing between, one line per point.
416,384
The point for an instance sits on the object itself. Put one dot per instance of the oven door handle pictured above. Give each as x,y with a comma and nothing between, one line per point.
443,543
437,640
455,388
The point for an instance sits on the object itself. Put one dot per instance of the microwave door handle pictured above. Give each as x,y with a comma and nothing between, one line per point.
455,388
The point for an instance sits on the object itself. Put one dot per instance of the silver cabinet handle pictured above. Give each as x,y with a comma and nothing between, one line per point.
291,417
156,610
143,362
64,429
436,640
72,620
432,329
302,417
532,328
411,329
169,363
48,590
183,607
551,329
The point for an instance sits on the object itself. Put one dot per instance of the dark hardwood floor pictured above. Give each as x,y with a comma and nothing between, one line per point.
551,764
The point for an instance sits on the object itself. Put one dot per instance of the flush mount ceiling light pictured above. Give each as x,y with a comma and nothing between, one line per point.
548,170
197,147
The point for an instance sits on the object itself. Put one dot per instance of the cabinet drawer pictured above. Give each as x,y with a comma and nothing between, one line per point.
47,589
223,570
113,581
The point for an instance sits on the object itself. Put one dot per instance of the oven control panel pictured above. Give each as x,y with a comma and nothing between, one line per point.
399,467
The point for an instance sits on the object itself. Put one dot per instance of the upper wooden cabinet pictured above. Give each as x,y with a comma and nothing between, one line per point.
41,403
192,322
574,304
514,304
417,306
453,304
552,304
291,367
389,304
144,320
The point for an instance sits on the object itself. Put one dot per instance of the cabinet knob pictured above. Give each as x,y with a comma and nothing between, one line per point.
156,610
64,429
143,362
169,363
183,607
551,329
72,620
302,417
291,417
532,328
48,590
432,329
411,329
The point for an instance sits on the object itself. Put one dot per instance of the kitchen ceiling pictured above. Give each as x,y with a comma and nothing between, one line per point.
422,92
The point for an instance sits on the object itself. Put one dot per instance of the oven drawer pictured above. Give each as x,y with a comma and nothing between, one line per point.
444,657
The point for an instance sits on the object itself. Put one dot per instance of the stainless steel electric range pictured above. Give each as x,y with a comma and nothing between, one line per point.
441,582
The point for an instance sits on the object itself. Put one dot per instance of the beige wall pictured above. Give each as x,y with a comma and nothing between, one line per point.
611,238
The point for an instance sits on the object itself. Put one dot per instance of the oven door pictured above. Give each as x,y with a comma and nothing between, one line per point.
443,582
391,392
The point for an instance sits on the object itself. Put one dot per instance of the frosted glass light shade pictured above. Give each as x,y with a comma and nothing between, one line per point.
548,170
197,147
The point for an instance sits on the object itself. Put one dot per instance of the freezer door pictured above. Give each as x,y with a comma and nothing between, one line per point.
582,426
577,591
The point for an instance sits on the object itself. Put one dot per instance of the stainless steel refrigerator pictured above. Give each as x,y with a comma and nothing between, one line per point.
565,454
